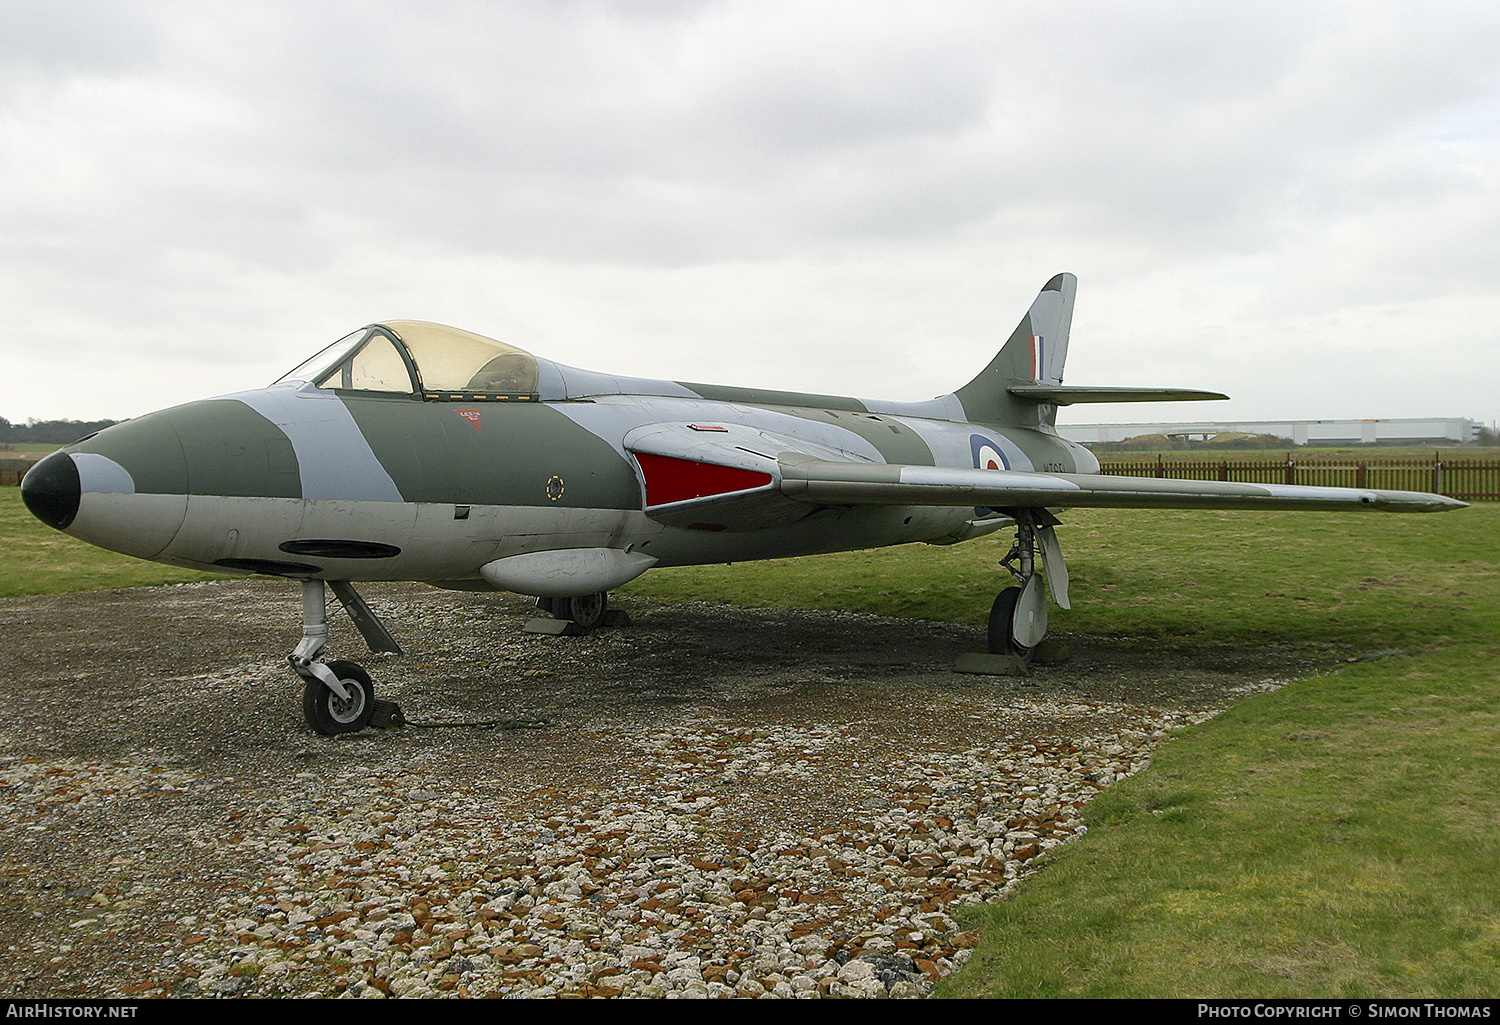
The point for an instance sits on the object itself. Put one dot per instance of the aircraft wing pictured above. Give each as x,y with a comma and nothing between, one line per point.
826,482
731,477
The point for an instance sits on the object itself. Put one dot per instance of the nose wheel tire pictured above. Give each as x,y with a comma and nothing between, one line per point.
329,714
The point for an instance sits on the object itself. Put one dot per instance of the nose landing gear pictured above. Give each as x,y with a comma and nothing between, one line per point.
337,697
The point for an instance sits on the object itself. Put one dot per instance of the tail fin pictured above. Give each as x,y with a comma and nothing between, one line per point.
1034,354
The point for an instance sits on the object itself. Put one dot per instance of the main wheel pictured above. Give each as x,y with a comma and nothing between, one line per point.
587,611
329,714
1002,625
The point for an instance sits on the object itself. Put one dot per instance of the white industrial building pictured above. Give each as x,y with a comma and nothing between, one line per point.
1446,431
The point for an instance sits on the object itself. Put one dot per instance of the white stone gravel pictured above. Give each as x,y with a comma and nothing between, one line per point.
720,803
658,884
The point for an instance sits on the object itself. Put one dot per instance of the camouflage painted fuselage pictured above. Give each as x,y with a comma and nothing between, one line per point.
297,480
413,451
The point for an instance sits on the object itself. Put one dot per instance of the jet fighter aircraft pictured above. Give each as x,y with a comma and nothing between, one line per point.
412,451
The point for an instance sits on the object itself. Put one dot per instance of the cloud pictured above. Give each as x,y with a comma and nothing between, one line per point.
819,195
46,39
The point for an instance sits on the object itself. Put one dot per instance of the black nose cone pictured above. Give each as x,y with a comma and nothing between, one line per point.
51,490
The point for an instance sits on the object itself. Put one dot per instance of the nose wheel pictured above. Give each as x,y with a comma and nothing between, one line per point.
331,714
337,697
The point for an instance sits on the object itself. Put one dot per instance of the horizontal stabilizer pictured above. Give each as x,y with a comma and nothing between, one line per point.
1067,394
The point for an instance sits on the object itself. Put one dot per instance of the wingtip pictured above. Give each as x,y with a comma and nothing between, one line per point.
1416,501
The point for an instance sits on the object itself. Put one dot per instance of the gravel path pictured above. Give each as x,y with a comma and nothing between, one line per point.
710,802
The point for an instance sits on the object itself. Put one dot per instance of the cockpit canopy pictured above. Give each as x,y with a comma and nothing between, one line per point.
415,358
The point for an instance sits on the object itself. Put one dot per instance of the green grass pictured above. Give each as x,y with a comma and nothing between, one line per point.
1337,838
1183,578
40,560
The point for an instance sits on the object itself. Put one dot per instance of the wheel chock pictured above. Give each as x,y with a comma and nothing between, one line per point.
989,665
386,715
1053,651
567,628
554,627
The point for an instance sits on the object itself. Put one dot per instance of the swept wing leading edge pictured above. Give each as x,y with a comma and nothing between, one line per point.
826,482
772,480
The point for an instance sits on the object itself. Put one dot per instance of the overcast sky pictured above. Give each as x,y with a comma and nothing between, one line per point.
1295,203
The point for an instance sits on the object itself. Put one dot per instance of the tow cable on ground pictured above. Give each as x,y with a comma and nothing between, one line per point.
388,715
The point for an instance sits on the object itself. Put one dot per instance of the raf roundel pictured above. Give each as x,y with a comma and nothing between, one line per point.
987,455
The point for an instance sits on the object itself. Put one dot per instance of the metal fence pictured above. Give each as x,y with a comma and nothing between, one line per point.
12,469
1465,479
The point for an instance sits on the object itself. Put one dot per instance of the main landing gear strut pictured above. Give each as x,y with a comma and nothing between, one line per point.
337,697
585,611
1018,619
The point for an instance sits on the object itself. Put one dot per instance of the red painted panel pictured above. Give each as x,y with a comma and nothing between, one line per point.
676,480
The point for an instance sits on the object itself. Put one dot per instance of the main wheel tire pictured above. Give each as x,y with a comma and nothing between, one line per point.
587,610
329,714
1003,627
